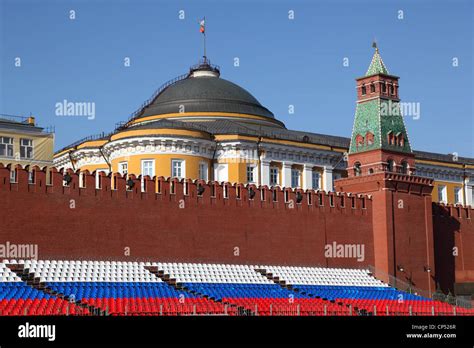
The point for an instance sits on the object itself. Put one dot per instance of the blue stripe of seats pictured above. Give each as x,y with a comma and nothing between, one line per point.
20,290
17,290
82,290
357,292
223,290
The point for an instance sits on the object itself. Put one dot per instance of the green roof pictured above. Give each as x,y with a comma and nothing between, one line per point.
376,65
379,117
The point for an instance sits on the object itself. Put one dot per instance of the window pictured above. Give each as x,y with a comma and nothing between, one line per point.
442,197
82,181
250,173
123,168
372,88
390,138
457,195
31,177
26,148
273,176
315,180
404,169
13,175
148,168
222,172
384,87
359,140
369,137
392,90
401,140
364,90
6,147
177,168
295,178
390,165
357,169
98,181
203,171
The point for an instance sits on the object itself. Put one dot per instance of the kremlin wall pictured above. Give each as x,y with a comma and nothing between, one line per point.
184,220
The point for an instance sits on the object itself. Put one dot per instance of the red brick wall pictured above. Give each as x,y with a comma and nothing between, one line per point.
402,224
453,231
177,227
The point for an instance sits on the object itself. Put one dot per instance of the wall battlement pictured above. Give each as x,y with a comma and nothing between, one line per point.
458,211
131,187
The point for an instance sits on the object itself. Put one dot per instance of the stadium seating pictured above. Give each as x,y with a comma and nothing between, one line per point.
242,286
359,289
17,298
55,287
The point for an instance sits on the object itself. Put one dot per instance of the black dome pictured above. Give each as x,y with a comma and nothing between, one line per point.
205,94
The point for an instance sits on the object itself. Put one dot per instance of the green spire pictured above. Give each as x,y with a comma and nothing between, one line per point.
376,65
376,122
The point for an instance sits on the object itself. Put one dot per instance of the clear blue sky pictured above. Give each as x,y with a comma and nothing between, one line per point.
282,61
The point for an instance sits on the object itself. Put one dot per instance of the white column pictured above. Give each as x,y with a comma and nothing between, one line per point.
307,177
327,179
286,174
265,172
468,192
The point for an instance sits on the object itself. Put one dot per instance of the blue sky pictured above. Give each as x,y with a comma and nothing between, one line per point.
282,62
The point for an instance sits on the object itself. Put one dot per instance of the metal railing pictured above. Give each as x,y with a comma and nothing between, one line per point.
14,118
409,288
88,138
155,94
273,309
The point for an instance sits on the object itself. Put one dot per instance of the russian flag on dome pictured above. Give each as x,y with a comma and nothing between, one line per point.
202,28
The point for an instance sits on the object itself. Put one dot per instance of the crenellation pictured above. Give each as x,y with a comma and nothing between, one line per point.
117,186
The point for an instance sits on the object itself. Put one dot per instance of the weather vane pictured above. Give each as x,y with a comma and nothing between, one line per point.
374,44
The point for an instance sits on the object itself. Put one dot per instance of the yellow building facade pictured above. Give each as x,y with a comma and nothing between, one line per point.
23,142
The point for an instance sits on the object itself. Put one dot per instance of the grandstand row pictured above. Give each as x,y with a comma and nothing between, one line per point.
53,287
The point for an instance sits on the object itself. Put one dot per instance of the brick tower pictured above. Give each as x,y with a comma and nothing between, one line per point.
381,163
379,141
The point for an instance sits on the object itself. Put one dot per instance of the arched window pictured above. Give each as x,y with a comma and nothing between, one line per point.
371,171
364,90
359,140
390,138
404,167
390,165
357,169
384,87
401,140
369,138
372,88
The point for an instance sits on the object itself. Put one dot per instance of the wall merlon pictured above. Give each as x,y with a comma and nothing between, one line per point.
195,192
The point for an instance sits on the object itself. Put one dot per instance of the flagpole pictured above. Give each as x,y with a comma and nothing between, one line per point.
205,58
